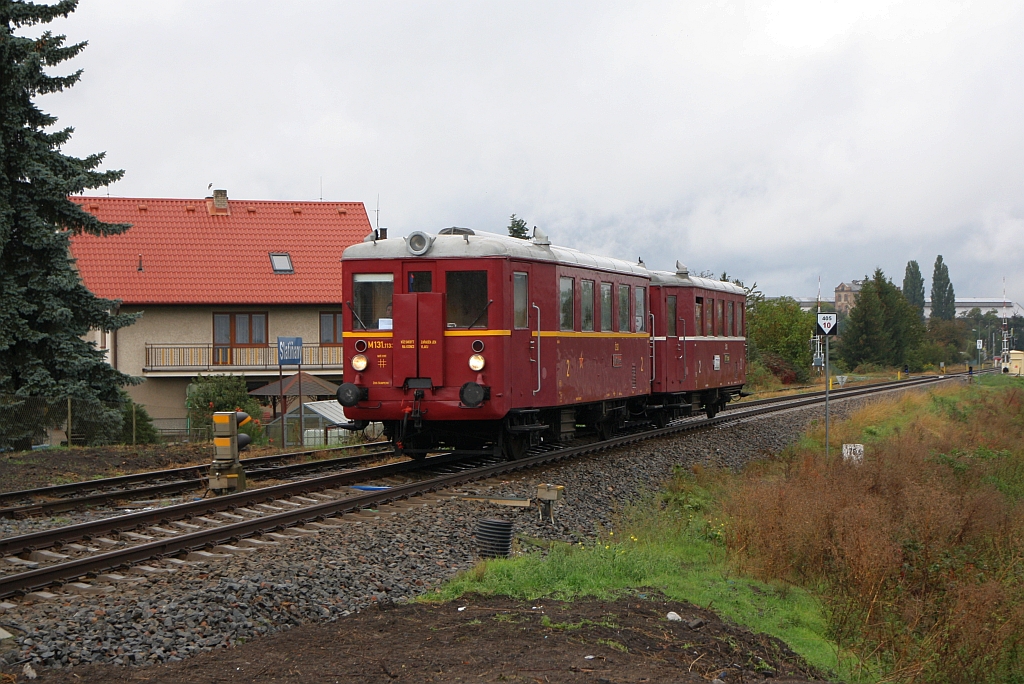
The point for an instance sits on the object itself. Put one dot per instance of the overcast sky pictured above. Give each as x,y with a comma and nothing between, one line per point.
777,141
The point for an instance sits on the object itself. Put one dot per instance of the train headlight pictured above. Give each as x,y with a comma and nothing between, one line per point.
359,363
476,363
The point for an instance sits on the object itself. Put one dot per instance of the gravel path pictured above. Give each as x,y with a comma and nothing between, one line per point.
182,609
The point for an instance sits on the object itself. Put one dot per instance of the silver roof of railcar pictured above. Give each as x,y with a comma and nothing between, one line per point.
481,244
682,278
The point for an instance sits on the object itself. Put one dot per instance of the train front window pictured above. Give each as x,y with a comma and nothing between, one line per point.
587,305
420,281
371,301
467,299
606,306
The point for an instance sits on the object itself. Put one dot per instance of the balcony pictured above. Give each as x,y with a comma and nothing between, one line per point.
194,358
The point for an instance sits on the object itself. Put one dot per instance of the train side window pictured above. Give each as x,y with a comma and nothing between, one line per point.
698,316
467,299
623,308
639,309
741,330
566,296
670,315
719,318
421,281
371,300
520,297
606,306
730,321
587,305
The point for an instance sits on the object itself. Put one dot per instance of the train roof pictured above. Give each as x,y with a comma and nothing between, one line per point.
682,278
467,243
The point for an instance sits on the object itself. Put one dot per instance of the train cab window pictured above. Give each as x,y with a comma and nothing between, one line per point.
421,281
371,300
606,306
587,305
670,315
719,318
698,316
467,299
639,309
730,320
623,308
521,296
566,296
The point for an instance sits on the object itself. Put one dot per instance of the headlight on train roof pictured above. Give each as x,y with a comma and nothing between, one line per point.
359,363
476,362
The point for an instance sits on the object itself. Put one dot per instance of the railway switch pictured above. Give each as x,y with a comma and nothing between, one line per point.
547,496
226,472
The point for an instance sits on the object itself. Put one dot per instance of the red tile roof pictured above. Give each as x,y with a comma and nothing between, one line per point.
190,256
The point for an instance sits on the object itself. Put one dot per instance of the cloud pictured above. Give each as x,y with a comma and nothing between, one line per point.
779,142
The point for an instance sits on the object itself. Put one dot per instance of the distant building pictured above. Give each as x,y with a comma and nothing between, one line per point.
846,295
986,304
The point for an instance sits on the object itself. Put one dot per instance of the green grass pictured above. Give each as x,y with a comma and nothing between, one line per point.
673,552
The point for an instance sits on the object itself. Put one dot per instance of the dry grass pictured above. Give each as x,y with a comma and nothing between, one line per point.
919,550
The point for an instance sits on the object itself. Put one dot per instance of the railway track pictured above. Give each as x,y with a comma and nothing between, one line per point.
228,524
161,483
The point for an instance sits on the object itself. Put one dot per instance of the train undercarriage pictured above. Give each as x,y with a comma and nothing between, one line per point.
522,429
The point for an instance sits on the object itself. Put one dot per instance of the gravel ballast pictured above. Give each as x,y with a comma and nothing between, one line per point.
184,609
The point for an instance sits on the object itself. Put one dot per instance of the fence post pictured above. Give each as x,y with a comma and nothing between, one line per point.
133,423
69,421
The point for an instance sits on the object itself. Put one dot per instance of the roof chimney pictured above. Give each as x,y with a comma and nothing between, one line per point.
219,203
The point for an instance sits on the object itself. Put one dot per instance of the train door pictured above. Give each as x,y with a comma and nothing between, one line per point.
525,370
418,333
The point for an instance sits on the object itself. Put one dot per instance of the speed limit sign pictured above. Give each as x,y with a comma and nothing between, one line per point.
827,324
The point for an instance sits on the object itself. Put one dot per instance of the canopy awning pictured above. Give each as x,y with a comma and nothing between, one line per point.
312,386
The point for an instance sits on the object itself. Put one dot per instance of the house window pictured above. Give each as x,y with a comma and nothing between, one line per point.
587,305
281,262
623,308
237,330
566,296
330,327
606,306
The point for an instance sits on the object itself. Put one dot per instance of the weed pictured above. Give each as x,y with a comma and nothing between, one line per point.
613,644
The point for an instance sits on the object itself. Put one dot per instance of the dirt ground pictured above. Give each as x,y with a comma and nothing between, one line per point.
484,639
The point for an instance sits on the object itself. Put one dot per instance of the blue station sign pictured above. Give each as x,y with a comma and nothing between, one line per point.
289,351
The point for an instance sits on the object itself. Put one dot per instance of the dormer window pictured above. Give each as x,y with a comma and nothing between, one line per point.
281,262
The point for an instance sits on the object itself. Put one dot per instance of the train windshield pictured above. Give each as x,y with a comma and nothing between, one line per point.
371,301
467,299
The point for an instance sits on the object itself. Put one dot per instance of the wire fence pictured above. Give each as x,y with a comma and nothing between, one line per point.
33,422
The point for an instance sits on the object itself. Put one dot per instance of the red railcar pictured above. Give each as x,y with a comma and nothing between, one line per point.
484,342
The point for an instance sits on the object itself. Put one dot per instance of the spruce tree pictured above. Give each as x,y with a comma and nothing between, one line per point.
913,287
901,321
517,228
943,298
865,339
44,308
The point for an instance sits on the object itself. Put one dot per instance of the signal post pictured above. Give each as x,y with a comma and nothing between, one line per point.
827,327
226,472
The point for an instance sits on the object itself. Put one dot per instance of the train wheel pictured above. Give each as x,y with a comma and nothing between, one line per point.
660,419
606,429
711,410
514,447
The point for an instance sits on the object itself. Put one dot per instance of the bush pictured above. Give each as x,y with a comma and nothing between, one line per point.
211,393
144,432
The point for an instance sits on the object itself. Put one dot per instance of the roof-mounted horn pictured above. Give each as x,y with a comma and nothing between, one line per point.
539,238
681,270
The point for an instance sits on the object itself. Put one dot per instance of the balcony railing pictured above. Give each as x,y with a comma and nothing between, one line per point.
209,357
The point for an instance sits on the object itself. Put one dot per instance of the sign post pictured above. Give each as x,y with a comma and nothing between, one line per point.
289,353
827,327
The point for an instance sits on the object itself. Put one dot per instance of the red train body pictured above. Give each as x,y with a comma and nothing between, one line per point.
483,342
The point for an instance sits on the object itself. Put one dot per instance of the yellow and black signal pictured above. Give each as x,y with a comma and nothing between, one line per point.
226,472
